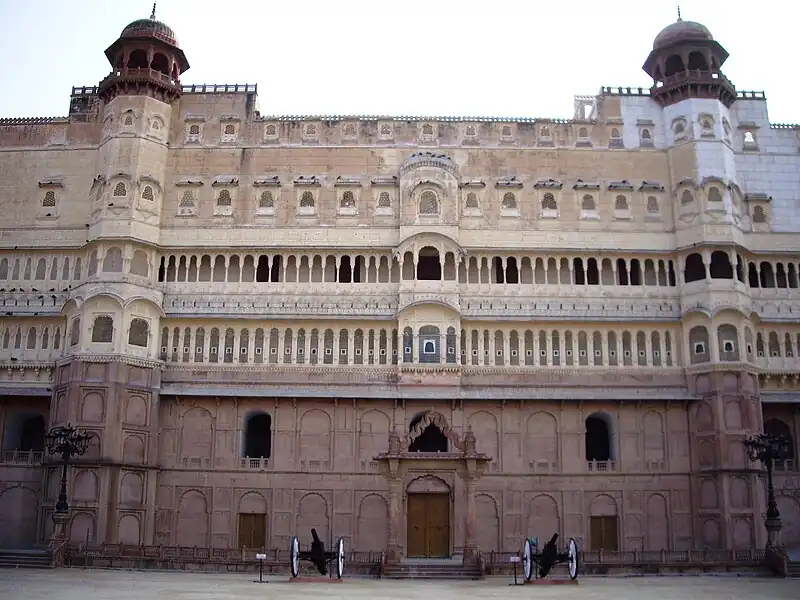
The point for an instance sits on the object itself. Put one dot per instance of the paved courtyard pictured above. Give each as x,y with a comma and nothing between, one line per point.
76,584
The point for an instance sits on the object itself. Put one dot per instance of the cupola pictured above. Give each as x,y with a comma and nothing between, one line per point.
146,60
685,63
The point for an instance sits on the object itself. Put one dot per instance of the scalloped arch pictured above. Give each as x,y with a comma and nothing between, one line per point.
432,417
131,301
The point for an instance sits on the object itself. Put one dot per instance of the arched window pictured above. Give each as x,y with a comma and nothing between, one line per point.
120,191
587,203
348,200
549,202
430,440
384,200
187,200
224,198
147,193
32,434
103,329
258,436
307,200
598,438
138,333
270,130
49,199
472,201
686,198
714,195
652,205
621,203
428,203
266,200
509,201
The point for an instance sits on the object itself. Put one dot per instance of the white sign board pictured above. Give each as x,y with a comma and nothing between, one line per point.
261,557
514,559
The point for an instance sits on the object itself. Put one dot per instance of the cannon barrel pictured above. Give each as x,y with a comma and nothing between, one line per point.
314,535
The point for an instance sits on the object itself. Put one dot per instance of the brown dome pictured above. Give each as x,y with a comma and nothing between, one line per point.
682,31
150,28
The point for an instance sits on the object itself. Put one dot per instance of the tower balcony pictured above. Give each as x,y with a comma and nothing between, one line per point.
714,294
140,82
694,84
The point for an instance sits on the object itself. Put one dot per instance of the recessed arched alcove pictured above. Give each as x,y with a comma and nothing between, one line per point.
599,438
432,438
257,441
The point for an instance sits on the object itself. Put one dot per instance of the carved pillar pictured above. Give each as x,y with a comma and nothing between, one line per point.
470,519
395,549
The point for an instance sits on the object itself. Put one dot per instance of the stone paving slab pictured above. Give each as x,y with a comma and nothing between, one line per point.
77,584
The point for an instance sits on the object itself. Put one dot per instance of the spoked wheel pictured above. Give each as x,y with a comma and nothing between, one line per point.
340,558
527,559
572,558
294,554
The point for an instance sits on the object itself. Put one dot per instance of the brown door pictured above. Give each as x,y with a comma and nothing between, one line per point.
252,531
603,533
428,525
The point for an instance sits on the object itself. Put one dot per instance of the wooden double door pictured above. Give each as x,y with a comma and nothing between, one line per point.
428,526
253,531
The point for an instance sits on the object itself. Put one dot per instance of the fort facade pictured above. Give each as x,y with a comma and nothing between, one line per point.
431,336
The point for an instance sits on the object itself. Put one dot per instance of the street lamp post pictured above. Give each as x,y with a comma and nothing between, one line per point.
66,442
769,449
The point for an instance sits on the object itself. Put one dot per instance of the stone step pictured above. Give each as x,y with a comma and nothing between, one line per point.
24,559
458,572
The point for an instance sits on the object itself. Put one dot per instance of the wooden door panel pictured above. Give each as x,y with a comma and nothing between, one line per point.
610,533
438,525
603,534
252,530
416,522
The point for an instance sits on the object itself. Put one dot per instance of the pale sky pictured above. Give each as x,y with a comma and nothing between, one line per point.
510,58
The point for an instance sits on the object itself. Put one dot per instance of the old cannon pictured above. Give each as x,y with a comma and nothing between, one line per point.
317,556
548,557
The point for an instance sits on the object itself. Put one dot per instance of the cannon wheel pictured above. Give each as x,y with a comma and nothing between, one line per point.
527,559
340,558
294,556
572,558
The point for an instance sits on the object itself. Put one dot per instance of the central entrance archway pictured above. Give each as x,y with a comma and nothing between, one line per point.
428,526
428,518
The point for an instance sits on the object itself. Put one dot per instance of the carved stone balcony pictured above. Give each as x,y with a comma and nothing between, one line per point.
712,295
779,364
139,82
694,84
31,458
429,292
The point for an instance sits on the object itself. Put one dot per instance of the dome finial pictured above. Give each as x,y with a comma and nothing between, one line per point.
153,14
679,12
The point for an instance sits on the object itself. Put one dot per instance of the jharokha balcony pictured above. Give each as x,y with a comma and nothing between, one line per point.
139,81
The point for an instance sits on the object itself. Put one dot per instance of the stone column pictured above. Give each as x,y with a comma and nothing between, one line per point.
470,518
395,548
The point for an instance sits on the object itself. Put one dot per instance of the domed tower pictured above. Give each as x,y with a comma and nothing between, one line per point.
146,60
695,100
113,316
685,63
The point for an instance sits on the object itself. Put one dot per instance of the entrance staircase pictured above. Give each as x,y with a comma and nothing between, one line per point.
24,559
794,569
445,569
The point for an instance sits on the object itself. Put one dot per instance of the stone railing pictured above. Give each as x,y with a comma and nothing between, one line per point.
21,457
646,561
253,464
123,556
601,466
